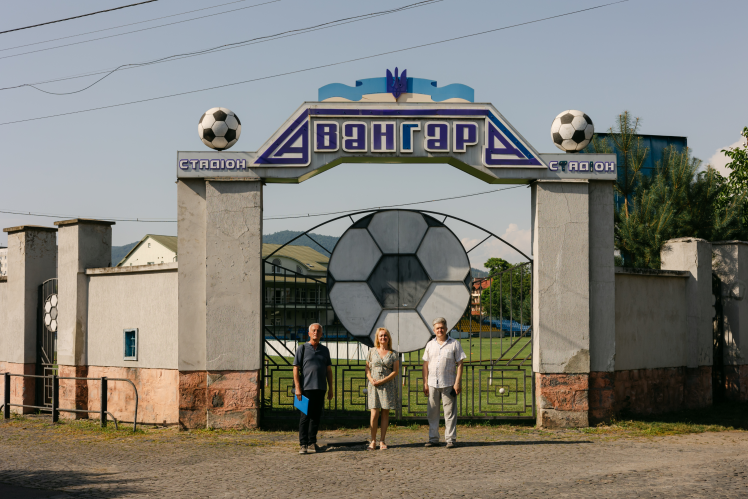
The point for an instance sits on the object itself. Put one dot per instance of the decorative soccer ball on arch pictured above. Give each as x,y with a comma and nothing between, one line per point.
50,313
572,130
400,270
219,128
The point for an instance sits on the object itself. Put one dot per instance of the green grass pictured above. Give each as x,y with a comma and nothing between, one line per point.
480,396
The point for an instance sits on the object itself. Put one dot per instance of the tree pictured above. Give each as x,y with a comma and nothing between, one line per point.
736,184
677,200
510,292
624,139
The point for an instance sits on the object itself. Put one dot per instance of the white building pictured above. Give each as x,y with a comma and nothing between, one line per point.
3,261
151,250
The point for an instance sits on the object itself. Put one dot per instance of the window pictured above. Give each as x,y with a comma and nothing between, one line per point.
131,344
149,245
276,266
299,270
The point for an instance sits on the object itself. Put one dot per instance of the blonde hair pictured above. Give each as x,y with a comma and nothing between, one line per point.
389,337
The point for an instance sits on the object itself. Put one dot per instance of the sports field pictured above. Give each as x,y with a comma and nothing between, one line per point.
491,365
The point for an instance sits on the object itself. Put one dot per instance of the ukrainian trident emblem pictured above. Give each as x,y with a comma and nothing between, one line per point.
397,85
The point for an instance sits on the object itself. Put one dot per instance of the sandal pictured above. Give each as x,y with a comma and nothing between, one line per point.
382,446
372,445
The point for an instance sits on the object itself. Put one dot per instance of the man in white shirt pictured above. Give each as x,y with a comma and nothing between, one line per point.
442,375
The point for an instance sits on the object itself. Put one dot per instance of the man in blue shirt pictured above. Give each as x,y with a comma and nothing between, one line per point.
312,373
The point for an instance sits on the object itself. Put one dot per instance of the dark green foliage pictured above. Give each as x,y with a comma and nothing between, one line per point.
678,200
736,184
510,292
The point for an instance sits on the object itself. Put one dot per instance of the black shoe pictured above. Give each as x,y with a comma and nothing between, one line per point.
431,444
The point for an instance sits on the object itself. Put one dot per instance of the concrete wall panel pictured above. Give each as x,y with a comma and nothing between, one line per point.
32,259
147,301
650,322
234,306
561,315
191,210
694,256
602,277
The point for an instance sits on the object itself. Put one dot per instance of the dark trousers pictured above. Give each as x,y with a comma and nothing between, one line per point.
309,422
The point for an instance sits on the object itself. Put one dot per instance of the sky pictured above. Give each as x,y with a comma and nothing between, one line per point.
674,63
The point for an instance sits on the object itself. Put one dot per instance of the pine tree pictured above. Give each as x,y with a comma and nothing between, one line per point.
678,200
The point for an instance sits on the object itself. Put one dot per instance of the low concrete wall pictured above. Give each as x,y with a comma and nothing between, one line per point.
142,297
650,319
653,349
158,391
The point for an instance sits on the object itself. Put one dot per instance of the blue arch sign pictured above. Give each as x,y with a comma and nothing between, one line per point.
411,128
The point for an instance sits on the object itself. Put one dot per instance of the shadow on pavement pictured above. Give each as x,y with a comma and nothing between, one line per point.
419,445
77,483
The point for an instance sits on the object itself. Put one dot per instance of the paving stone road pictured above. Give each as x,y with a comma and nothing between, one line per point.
38,460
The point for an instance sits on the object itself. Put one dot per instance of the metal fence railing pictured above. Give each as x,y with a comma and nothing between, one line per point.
55,408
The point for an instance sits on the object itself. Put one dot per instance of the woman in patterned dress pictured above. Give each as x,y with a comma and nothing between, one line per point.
382,366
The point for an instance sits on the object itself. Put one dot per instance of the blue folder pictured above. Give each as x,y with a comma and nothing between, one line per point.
302,405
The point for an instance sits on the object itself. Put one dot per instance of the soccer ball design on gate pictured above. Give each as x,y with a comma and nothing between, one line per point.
50,313
401,270
572,130
219,128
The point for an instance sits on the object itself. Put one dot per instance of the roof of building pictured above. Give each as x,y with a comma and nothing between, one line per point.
169,242
303,254
313,260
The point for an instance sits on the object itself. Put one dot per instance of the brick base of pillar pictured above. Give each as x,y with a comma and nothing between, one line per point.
73,392
602,397
736,381
219,399
697,392
563,400
22,390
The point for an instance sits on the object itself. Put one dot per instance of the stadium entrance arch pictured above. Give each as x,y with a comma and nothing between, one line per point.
222,271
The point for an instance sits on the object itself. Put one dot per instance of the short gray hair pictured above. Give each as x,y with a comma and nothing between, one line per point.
439,320
316,324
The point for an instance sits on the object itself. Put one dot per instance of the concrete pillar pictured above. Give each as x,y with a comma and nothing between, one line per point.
695,256
220,325
191,226
602,301
32,258
561,302
730,261
83,244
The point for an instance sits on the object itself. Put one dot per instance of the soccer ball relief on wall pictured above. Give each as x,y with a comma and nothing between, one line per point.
400,270
219,128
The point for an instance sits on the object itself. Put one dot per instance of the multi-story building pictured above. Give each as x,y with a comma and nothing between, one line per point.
3,261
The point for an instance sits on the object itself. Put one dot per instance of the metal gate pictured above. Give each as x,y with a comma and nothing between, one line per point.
46,348
495,332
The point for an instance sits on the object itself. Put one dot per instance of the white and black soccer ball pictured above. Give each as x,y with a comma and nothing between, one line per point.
400,270
219,128
572,130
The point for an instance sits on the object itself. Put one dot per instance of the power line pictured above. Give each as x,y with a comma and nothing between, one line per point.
220,48
135,31
121,26
228,46
308,215
315,67
78,17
